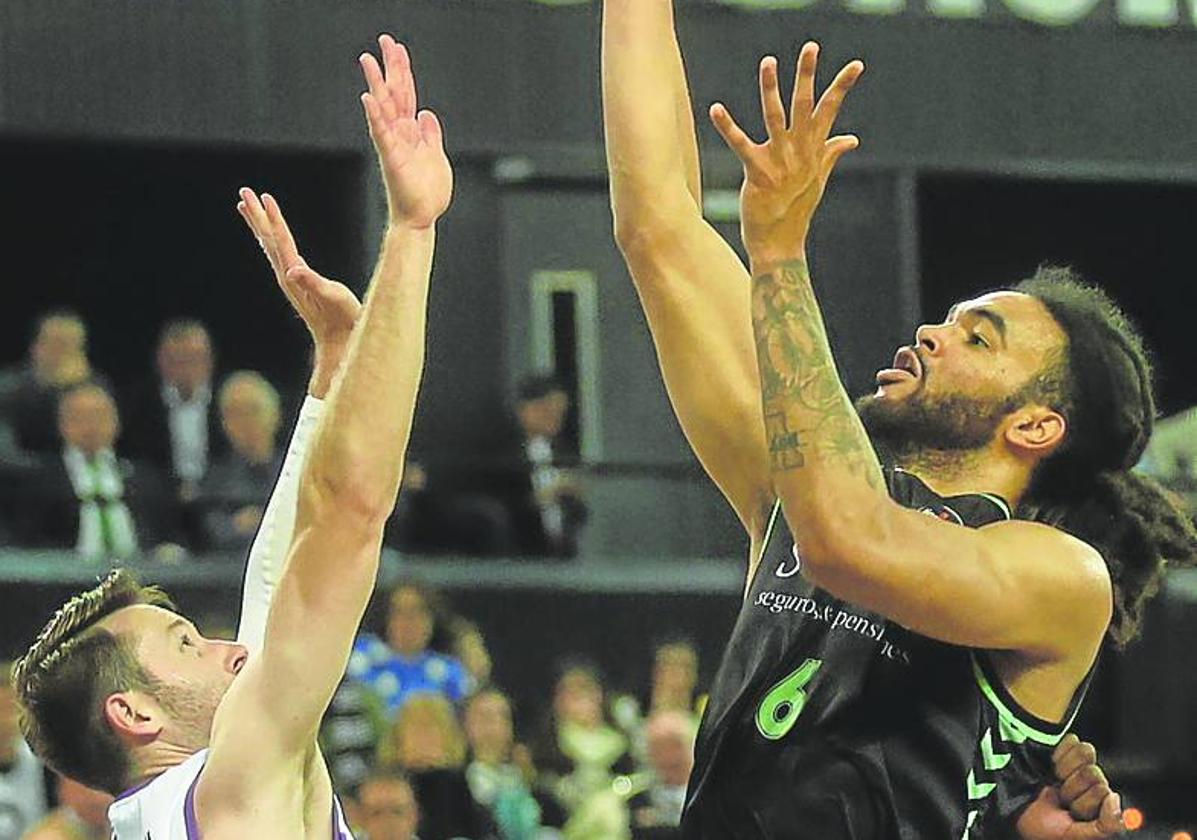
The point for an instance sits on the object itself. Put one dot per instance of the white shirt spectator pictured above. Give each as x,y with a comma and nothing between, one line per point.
22,794
188,421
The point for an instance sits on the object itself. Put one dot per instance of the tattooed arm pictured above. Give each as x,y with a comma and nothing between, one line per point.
1012,586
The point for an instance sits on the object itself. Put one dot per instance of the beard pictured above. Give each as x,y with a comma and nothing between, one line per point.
192,708
926,428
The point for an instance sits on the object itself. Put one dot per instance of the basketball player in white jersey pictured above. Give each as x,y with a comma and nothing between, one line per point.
201,737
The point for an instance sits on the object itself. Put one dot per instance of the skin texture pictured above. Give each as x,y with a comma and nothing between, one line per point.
696,293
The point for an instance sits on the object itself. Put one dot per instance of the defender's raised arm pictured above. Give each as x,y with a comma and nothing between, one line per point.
266,726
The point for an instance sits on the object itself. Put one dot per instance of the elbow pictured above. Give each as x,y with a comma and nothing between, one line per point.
647,224
351,502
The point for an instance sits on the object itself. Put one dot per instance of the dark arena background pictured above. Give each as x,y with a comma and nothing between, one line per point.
996,135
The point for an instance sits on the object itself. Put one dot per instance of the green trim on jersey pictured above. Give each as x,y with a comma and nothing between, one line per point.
1011,727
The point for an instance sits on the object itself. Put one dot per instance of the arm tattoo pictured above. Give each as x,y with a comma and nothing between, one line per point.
808,418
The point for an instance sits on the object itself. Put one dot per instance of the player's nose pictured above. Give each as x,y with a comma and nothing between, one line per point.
930,338
235,657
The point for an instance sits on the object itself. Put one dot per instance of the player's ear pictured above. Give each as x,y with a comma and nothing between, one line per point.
134,715
1036,431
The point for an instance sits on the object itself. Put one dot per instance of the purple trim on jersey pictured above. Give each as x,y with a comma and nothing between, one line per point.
189,820
133,790
338,816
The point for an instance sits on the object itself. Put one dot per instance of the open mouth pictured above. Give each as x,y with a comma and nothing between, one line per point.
906,366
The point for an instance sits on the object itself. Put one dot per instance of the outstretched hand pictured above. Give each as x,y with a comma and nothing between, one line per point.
410,143
328,308
784,177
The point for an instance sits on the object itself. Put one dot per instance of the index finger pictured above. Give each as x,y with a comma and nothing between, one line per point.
399,79
285,242
250,207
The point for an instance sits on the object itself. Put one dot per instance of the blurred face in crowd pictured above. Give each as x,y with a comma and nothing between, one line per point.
91,806
87,419
670,743
185,359
192,673
544,416
60,344
675,671
249,412
488,726
409,622
426,734
579,699
387,808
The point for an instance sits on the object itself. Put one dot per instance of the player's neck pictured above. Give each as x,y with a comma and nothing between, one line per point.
958,473
155,759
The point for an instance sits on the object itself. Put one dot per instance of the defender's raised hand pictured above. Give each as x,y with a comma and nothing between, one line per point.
329,309
784,177
410,143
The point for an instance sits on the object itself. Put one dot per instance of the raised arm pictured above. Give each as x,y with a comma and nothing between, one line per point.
329,310
1012,585
268,720
693,287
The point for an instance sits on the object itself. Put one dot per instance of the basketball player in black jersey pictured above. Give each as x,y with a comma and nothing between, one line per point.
907,677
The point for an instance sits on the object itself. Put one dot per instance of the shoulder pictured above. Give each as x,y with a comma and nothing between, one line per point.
1075,570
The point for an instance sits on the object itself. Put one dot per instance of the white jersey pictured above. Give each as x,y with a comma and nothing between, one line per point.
164,807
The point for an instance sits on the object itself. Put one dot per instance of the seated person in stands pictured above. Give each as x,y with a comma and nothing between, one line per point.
232,496
385,807
500,772
426,742
657,809
404,664
22,780
173,420
87,498
580,752
82,814
29,391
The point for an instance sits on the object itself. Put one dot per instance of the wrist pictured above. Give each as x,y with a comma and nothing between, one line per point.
764,261
328,359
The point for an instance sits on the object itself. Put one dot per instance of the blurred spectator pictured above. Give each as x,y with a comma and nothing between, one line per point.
88,498
672,688
22,782
29,391
232,495
427,742
352,726
82,814
580,752
529,476
385,807
174,422
657,809
404,664
469,646
1171,456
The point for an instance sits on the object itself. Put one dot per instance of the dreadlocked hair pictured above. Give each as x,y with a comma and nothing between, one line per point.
66,676
1102,384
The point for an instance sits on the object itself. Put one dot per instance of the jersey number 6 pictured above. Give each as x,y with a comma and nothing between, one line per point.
779,710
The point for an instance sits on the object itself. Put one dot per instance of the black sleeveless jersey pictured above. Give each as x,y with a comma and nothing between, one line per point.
829,721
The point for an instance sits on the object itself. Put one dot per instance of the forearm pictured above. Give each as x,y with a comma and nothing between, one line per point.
820,457
358,453
652,154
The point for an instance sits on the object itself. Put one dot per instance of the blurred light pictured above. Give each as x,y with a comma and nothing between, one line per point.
1132,818
1182,835
513,169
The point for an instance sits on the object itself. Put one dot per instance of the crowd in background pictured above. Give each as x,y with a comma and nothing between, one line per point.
180,460
421,741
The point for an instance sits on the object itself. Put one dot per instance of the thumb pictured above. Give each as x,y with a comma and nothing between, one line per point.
1107,824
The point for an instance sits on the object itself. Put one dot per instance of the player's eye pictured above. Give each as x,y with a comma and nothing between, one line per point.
978,339
187,641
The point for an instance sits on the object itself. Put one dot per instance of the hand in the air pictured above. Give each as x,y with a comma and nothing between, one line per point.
410,143
1081,806
784,177
328,308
